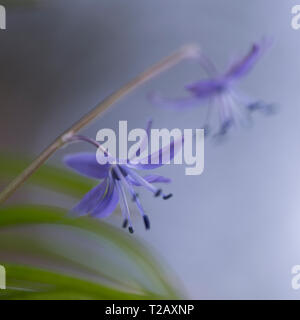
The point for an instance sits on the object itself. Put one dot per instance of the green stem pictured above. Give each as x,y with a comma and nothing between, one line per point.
165,64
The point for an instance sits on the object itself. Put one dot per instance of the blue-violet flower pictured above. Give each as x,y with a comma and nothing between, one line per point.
220,92
117,180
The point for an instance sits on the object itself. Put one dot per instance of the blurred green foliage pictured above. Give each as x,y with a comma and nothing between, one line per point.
49,255
47,176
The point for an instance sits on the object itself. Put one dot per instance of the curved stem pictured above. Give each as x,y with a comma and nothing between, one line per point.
190,51
94,143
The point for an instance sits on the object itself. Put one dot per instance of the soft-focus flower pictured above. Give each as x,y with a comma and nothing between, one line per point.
220,92
117,180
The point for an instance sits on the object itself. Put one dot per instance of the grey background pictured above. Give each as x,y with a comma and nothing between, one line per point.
232,232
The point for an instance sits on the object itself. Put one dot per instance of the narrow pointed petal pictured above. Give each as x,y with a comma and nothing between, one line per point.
175,103
144,142
150,178
245,65
206,89
87,165
157,157
108,203
91,199
139,179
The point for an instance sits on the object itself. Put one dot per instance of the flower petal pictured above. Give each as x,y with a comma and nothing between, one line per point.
244,66
144,142
205,89
87,165
91,199
109,202
157,157
150,178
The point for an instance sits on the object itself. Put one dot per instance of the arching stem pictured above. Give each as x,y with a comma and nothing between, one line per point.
190,51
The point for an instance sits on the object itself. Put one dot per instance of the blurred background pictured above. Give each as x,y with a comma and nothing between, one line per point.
232,232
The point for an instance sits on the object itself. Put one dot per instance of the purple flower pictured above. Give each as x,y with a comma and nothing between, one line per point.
117,180
220,92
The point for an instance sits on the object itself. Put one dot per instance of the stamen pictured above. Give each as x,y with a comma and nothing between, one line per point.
123,203
158,193
134,197
143,182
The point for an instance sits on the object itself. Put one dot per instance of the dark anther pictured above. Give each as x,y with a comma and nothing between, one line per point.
130,229
146,222
134,197
158,193
114,175
168,196
125,223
